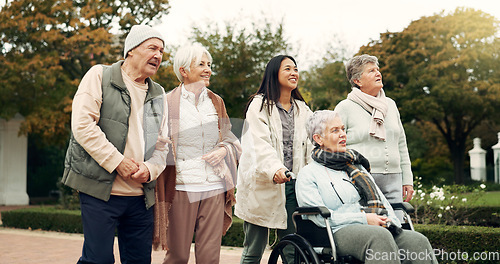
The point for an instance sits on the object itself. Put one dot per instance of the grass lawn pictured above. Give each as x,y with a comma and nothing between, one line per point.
487,199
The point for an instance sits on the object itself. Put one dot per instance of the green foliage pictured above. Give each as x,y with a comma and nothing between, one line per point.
450,240
234,236
46,48
429,154
239,59
453,205
442,69
326,85
69,198
434,171
45,166
487,216
165,75
44,218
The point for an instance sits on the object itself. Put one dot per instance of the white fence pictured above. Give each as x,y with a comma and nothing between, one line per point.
478,161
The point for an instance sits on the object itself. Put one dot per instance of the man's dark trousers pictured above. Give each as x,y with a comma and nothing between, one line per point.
127,215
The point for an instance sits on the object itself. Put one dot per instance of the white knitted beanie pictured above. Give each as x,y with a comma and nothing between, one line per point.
139,34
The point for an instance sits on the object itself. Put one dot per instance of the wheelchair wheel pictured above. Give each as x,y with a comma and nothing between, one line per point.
293,249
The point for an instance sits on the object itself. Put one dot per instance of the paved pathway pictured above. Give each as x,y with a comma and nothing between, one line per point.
19,246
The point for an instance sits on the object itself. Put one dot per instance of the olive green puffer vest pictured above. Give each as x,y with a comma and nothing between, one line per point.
81,171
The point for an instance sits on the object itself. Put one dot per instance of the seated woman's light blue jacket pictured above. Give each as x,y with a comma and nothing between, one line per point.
318,185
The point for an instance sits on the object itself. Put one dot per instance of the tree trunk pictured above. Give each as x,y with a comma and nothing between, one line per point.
458,157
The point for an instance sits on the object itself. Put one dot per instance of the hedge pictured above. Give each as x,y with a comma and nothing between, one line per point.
234,236
44,218
477,216
453,242
446,239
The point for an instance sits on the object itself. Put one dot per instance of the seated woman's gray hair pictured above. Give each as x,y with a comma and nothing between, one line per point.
316,124
355,66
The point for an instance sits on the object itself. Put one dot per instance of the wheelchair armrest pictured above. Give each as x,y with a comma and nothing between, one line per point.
405,206
323,211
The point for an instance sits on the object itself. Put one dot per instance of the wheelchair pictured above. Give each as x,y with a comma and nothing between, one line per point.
315,245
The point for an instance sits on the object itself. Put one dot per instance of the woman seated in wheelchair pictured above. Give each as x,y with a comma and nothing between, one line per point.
362,221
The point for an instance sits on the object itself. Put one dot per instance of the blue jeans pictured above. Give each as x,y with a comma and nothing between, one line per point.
126,214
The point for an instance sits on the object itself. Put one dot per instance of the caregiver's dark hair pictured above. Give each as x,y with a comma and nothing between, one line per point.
270,87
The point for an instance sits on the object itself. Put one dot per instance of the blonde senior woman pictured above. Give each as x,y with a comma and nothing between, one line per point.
331,180
274,141
195,193
374,128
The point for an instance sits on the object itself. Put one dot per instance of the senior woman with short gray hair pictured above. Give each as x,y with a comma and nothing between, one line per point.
374,128
195,193
362,221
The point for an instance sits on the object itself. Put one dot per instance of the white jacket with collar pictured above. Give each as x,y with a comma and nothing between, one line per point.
198,135
258,199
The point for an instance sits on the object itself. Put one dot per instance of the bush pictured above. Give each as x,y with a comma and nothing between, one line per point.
235,236
44,218
435,171
69,198
454,243
487,216
453,205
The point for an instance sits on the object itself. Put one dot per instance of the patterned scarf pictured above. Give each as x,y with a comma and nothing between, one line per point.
349,162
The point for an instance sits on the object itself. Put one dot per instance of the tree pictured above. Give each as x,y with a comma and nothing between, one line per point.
239,59
46,48
165,74
326,84
444,69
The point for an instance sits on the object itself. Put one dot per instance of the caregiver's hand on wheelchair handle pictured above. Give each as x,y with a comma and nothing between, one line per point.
280,177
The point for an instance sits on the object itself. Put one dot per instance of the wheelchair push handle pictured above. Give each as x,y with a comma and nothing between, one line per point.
290,174
405,206
321,210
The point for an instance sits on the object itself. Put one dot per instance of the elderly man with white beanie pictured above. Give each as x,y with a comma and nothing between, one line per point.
118,149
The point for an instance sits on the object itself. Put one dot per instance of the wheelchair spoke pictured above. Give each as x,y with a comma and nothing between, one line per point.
282,256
